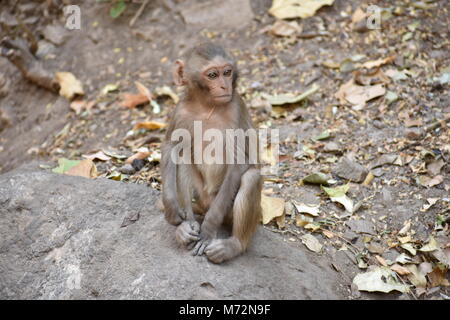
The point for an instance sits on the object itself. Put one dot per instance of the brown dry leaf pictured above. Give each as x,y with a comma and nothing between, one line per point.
149,125
271,208
358,95
69,85
368,78
438,277
143,90
413,122
381,260
358,15
400,270
86,168
406,227
80,105
328,234
285,29
434,167
430,182
100,155
133,100
379,62
302,220
141,154
416,277
281,221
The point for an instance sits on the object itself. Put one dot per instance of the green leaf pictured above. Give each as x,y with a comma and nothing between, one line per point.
323,136
117,9
65,165
316,178
337,191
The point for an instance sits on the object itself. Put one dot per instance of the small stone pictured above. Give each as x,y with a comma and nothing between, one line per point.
413,133
138,164
127,169
332,147
361,226
351,170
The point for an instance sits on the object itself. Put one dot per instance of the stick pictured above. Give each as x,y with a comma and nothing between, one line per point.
139,12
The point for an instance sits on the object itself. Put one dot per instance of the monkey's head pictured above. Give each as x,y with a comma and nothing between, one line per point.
207,70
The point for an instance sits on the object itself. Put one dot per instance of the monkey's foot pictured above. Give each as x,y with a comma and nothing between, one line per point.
221,250
187,232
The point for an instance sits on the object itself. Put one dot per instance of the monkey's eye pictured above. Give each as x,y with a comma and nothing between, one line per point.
212,75
227,73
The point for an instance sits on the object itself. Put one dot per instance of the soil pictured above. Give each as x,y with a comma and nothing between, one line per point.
39,124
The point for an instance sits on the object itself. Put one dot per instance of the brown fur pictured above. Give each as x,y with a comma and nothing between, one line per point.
223,193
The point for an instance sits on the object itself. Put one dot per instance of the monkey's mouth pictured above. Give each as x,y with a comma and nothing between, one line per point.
223,96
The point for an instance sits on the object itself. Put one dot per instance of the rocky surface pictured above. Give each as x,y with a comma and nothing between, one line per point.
61,238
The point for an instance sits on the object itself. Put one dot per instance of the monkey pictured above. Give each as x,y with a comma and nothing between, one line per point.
224,194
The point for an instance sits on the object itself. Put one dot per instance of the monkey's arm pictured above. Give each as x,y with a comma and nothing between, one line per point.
173,213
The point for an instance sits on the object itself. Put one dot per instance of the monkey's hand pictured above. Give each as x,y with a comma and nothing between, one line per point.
208,232
187,232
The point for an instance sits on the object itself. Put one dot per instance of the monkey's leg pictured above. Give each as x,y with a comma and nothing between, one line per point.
246,214
187,232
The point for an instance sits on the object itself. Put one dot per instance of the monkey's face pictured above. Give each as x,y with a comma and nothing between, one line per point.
218,78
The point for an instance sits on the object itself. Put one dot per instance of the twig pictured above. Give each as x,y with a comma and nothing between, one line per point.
139,12
436,124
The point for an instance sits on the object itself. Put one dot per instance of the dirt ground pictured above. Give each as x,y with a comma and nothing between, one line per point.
38,124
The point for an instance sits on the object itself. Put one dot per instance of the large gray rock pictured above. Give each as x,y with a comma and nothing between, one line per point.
60,238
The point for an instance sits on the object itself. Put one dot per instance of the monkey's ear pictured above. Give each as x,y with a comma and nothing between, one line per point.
178,73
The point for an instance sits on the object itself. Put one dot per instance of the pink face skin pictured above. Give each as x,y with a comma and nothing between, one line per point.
218,76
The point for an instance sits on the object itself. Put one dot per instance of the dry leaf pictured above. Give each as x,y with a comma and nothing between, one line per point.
86,168
379,62
409,247
431,202
358,15
80,105
139,155
143,90
302,220
312,209
380,279
271,208
416,277
381,260
69,85
430,246
430,182
149,125
167,91
287,9
285,29
406,227
311,242
438,278
133,100
281,221
328,234
100,155
400,270
358,95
